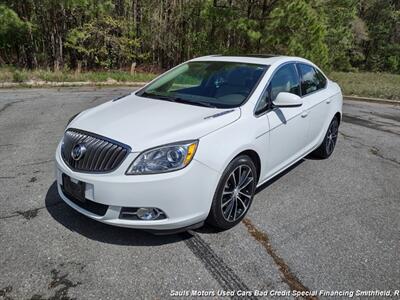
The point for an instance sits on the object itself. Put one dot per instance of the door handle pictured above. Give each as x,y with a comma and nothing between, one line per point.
304,114
328,101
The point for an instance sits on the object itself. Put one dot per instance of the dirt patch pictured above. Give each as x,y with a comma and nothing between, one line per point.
61,284
5,291
288,277
28,214
375,151
367,123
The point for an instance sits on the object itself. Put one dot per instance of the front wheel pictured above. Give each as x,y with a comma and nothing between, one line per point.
234,193
328,145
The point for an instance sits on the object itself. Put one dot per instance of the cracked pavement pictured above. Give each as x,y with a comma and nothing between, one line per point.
324,224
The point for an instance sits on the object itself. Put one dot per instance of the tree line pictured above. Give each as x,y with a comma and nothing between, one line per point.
110,34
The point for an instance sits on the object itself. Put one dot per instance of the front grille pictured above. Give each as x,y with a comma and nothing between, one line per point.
91,206
102,154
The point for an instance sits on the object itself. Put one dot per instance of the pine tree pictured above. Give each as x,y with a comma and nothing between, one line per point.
296,28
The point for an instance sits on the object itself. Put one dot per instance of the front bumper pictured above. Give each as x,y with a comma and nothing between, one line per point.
185,196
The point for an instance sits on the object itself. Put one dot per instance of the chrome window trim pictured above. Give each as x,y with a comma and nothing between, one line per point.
266,86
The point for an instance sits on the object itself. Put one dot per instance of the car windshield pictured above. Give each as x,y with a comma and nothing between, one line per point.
207,83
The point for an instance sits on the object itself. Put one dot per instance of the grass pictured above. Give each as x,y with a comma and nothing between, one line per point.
8,74
375,85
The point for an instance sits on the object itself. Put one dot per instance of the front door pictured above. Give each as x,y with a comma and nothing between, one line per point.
288,125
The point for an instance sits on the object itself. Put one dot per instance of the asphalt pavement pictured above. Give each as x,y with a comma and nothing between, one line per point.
329,225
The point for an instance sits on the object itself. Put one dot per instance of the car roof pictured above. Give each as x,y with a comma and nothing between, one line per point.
252,59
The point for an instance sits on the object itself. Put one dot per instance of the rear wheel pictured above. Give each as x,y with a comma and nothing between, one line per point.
234,193
328,145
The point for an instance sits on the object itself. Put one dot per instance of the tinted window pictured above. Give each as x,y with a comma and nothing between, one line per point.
207,83
284,80
311,79
321,79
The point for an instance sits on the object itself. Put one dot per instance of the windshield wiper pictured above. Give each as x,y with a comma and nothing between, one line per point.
199,103
178,100
157,96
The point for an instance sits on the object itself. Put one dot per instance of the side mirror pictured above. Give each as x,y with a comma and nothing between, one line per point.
287,100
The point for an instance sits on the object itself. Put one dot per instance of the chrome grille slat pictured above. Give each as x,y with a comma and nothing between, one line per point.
96,155
92,148
112,158
107,156
102,154
90,142
120,155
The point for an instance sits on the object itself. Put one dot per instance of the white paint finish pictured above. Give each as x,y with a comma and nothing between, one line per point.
280,137
143,123
320,107
288,131
287,100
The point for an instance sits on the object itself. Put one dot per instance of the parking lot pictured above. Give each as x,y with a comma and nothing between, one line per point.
322,225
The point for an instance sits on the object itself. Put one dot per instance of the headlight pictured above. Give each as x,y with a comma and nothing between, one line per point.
163,159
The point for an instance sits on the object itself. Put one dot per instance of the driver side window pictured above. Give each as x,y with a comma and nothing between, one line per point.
286,80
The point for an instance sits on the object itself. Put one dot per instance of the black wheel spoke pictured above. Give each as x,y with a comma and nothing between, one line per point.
242,203
235,209
244,194
226,202
228,210
246,183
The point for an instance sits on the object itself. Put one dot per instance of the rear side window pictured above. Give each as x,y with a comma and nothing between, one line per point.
321,79
311,79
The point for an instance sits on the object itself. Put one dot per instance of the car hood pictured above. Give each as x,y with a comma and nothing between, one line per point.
143,123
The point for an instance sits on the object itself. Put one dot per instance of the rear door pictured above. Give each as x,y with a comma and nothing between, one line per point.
316,101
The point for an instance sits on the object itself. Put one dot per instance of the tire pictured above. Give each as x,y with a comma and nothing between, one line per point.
234,194
328,144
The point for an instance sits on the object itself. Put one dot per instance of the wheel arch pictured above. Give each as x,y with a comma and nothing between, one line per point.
254,157
338,115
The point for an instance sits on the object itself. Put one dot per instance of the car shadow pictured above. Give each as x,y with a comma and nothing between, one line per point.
94,230
280,115
207,229
279,176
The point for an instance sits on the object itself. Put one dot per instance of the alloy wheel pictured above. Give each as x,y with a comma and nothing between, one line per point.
332,137
237,194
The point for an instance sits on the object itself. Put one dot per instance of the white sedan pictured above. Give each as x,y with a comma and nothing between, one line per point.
192,145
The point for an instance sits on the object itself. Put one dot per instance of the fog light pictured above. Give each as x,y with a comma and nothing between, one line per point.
143,213
148,213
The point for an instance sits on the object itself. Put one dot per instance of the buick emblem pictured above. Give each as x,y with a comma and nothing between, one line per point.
78,151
